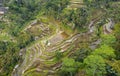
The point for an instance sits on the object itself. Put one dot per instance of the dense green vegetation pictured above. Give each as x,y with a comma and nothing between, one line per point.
77,60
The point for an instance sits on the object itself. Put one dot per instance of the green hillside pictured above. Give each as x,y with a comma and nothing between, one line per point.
59,38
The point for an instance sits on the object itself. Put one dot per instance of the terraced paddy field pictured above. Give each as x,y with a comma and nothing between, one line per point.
76,4
57,37
39,57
